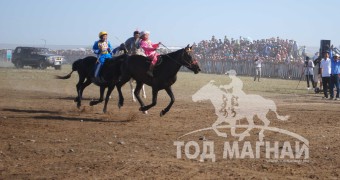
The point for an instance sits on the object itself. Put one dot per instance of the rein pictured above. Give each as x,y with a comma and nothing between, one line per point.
189,64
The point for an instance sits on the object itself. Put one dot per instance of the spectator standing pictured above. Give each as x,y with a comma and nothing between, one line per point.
325,66
335,72
258,65
304,52
295,50
309,72
317,78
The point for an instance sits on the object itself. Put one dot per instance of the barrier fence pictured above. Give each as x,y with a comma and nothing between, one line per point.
283,70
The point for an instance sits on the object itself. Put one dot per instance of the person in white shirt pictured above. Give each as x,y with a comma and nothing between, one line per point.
309,72
325,66
258,64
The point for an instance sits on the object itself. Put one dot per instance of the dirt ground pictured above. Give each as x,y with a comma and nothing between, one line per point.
44,135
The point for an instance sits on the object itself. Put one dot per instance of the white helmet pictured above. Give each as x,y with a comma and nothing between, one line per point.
144,32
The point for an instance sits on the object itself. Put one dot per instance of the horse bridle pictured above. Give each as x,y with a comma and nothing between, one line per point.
186,64
194,62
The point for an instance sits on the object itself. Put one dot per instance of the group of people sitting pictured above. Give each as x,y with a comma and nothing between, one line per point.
139,44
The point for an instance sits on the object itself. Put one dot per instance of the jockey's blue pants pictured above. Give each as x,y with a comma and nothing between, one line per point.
98,67
101,61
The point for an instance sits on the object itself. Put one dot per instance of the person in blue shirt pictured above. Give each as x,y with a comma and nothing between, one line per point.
102,48
335,72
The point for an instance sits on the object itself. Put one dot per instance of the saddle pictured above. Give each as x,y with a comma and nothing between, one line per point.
159,61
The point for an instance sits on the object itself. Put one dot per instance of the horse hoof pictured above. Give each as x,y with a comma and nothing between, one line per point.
104,111
141,109
162,113
78,106
145,112
120,105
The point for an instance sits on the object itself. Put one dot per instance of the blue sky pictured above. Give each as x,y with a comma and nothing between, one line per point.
174,23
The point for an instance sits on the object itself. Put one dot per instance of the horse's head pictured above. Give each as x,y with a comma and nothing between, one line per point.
188,61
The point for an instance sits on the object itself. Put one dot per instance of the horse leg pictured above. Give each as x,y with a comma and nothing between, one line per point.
107,98
172,100
85,84
154,100
124,79
120,96
95,102
144,94
132,90
79,90
139,86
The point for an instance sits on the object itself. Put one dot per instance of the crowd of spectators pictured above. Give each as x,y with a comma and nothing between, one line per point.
272,49
214,53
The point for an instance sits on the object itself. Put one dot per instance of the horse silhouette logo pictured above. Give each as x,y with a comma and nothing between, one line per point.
232,104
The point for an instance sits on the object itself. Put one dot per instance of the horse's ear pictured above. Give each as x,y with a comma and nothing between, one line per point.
191,47
188,48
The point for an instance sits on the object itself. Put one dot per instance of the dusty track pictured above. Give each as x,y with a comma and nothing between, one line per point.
44,135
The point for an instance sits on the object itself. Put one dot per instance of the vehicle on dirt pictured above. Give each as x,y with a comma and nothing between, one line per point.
36,57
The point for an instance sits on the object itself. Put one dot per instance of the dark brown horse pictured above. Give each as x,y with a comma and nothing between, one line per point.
110,72
165,75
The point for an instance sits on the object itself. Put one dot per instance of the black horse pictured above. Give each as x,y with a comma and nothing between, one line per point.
110,72
164,75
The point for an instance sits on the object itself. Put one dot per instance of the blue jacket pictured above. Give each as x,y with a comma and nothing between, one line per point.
335,65
102,54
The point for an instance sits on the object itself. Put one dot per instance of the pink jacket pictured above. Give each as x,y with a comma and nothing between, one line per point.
148,47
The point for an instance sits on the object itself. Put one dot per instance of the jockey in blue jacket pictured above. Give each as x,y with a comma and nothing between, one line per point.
103,49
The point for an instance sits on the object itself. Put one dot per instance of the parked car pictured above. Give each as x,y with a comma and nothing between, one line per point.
36,58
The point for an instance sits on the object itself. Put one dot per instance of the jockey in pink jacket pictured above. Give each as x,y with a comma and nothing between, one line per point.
149,50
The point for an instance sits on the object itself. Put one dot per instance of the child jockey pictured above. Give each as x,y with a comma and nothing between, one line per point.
102,48
149,50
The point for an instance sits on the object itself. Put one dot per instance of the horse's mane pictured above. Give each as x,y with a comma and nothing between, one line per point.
174,53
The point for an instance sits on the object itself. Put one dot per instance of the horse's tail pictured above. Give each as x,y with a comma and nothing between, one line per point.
64,77
75,67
